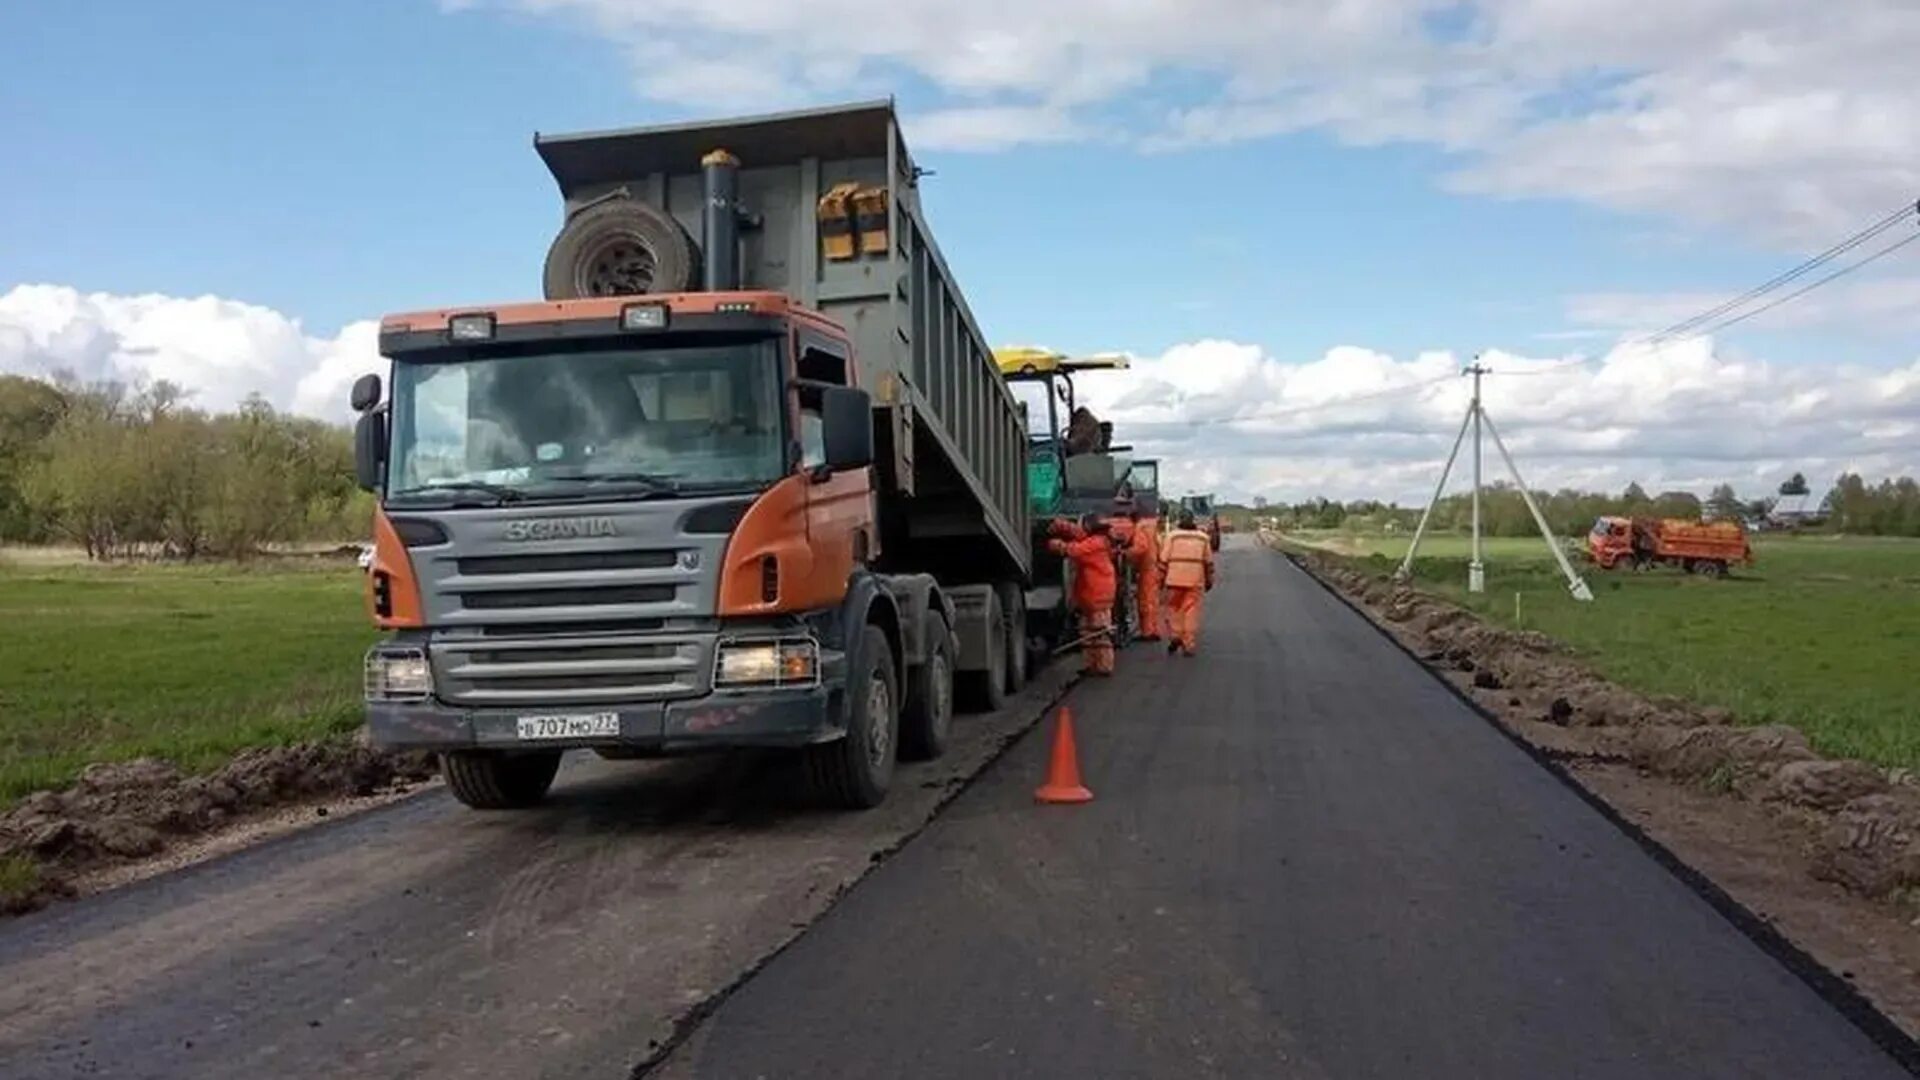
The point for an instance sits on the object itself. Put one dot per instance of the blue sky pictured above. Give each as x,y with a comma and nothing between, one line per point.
332,164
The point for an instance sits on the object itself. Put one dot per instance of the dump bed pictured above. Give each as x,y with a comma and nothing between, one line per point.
1681,538
952,442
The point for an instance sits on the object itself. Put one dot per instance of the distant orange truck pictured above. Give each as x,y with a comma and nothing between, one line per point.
1695,546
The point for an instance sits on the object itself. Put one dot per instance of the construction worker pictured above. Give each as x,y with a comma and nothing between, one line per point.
1091,550
1186,564
1143,549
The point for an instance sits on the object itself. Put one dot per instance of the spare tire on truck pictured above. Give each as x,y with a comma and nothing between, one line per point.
620,247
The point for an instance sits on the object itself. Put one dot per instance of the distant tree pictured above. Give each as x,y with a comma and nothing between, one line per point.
1677,504
1724,503
1795,485
29,410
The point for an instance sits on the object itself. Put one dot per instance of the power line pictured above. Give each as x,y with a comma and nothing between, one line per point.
1715,319
1790,275
1804,290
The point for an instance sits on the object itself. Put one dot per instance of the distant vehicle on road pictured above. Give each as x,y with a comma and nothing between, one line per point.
1205,516
1697,547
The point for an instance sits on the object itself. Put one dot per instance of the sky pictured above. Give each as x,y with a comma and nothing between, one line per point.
1301,217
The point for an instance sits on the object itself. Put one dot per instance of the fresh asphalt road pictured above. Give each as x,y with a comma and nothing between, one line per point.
1306,859
425,940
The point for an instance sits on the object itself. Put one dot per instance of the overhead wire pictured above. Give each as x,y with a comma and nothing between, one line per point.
1726,314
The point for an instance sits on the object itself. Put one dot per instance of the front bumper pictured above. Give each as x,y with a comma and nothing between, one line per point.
786,718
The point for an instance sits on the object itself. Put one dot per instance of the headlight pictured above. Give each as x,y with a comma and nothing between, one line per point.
398,675
766,664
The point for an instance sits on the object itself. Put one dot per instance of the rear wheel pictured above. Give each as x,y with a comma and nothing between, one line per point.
926,722
986,690
1013,607
1713,568
492,780
855,772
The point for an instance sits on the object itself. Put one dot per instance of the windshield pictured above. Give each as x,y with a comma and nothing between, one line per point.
1032,395
1145,476
549,423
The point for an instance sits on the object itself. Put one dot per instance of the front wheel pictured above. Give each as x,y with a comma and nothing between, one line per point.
493,780
854,772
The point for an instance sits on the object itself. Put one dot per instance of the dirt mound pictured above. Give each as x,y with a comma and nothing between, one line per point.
1867,821
128,810
1872,846
1740,754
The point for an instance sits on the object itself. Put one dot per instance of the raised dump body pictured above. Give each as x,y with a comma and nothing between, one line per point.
829,214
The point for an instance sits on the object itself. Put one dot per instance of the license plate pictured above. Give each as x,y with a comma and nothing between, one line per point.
568,726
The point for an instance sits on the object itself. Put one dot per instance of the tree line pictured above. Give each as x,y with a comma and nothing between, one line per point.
1853,505
128,472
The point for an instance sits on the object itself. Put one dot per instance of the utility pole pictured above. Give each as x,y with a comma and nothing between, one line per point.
1476,569
1479,422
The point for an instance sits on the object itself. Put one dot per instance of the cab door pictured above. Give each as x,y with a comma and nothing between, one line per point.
840,518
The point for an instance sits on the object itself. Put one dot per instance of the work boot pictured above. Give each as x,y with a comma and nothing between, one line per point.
1172,647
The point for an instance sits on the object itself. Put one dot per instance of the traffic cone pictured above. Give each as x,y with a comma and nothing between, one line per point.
1063,768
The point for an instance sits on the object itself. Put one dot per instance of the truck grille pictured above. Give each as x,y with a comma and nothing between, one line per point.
565,562
549,671
569,597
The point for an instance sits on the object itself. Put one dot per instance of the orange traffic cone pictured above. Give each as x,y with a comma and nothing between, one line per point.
1063,769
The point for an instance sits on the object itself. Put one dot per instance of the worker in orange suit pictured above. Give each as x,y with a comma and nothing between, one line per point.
1143,549
1186,565
1094,584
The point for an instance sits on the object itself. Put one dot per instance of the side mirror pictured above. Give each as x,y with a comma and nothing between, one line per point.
846,416
366,393
369,446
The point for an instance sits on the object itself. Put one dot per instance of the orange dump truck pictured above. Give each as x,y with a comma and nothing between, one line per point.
1695,546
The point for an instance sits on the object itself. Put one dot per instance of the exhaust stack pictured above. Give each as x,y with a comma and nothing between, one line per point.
720,221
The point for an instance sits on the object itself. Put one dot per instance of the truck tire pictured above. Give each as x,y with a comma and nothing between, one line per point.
620,247
854,773
986,691
926,721
491,780
1713,568
1013,610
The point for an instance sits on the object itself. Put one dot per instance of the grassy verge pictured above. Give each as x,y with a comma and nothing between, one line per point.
1822,633
190,664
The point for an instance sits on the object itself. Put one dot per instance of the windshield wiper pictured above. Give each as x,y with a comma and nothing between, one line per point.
499,492
649,481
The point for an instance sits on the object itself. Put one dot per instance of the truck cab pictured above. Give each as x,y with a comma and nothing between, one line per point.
1610,541
761,489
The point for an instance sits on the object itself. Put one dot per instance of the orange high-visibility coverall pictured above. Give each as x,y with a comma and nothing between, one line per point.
1186,560
1144,550
1094,586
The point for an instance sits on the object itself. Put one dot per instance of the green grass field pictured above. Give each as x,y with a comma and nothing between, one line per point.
190,664
1822,632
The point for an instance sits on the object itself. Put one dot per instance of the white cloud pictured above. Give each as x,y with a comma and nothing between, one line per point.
1226,416
220,350
1357,423
1785,118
